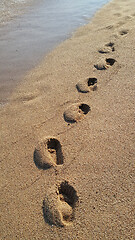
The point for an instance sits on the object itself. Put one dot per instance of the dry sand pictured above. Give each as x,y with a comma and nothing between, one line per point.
67,153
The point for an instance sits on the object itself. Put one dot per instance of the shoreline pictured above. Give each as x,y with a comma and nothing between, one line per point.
95,142
29,40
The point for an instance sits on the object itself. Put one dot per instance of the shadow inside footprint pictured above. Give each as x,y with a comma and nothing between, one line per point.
85,108
54,147
68,198
123,32
90,84
92,81
76,112
110,44
48,153
110,61
59,205
109,47
104,64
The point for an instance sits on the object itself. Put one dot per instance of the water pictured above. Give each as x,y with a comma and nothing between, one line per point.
25,40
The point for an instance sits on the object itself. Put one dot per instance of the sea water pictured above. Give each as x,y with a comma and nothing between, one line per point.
26,39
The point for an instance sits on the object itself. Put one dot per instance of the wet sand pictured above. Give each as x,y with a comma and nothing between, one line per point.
67,150
12,67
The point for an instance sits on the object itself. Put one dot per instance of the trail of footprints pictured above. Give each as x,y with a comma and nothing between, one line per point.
107,62
61,201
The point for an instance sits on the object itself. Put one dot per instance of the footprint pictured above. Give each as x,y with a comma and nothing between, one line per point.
48,153
87,85
109,47
104,64
124,32
67,200
76,112
117,14
121,23
109,27
26,97
127,18
59,205
110,61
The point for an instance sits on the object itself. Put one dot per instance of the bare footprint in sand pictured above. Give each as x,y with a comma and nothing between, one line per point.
117,14
76,112
90,84
26,98
104,64
59,205
48,153
124,32
109,47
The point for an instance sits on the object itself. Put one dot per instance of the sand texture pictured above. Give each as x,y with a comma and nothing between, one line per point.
67,137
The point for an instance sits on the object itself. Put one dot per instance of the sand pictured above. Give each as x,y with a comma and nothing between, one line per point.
67,137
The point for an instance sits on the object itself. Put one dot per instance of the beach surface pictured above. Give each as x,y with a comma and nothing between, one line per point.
67,137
